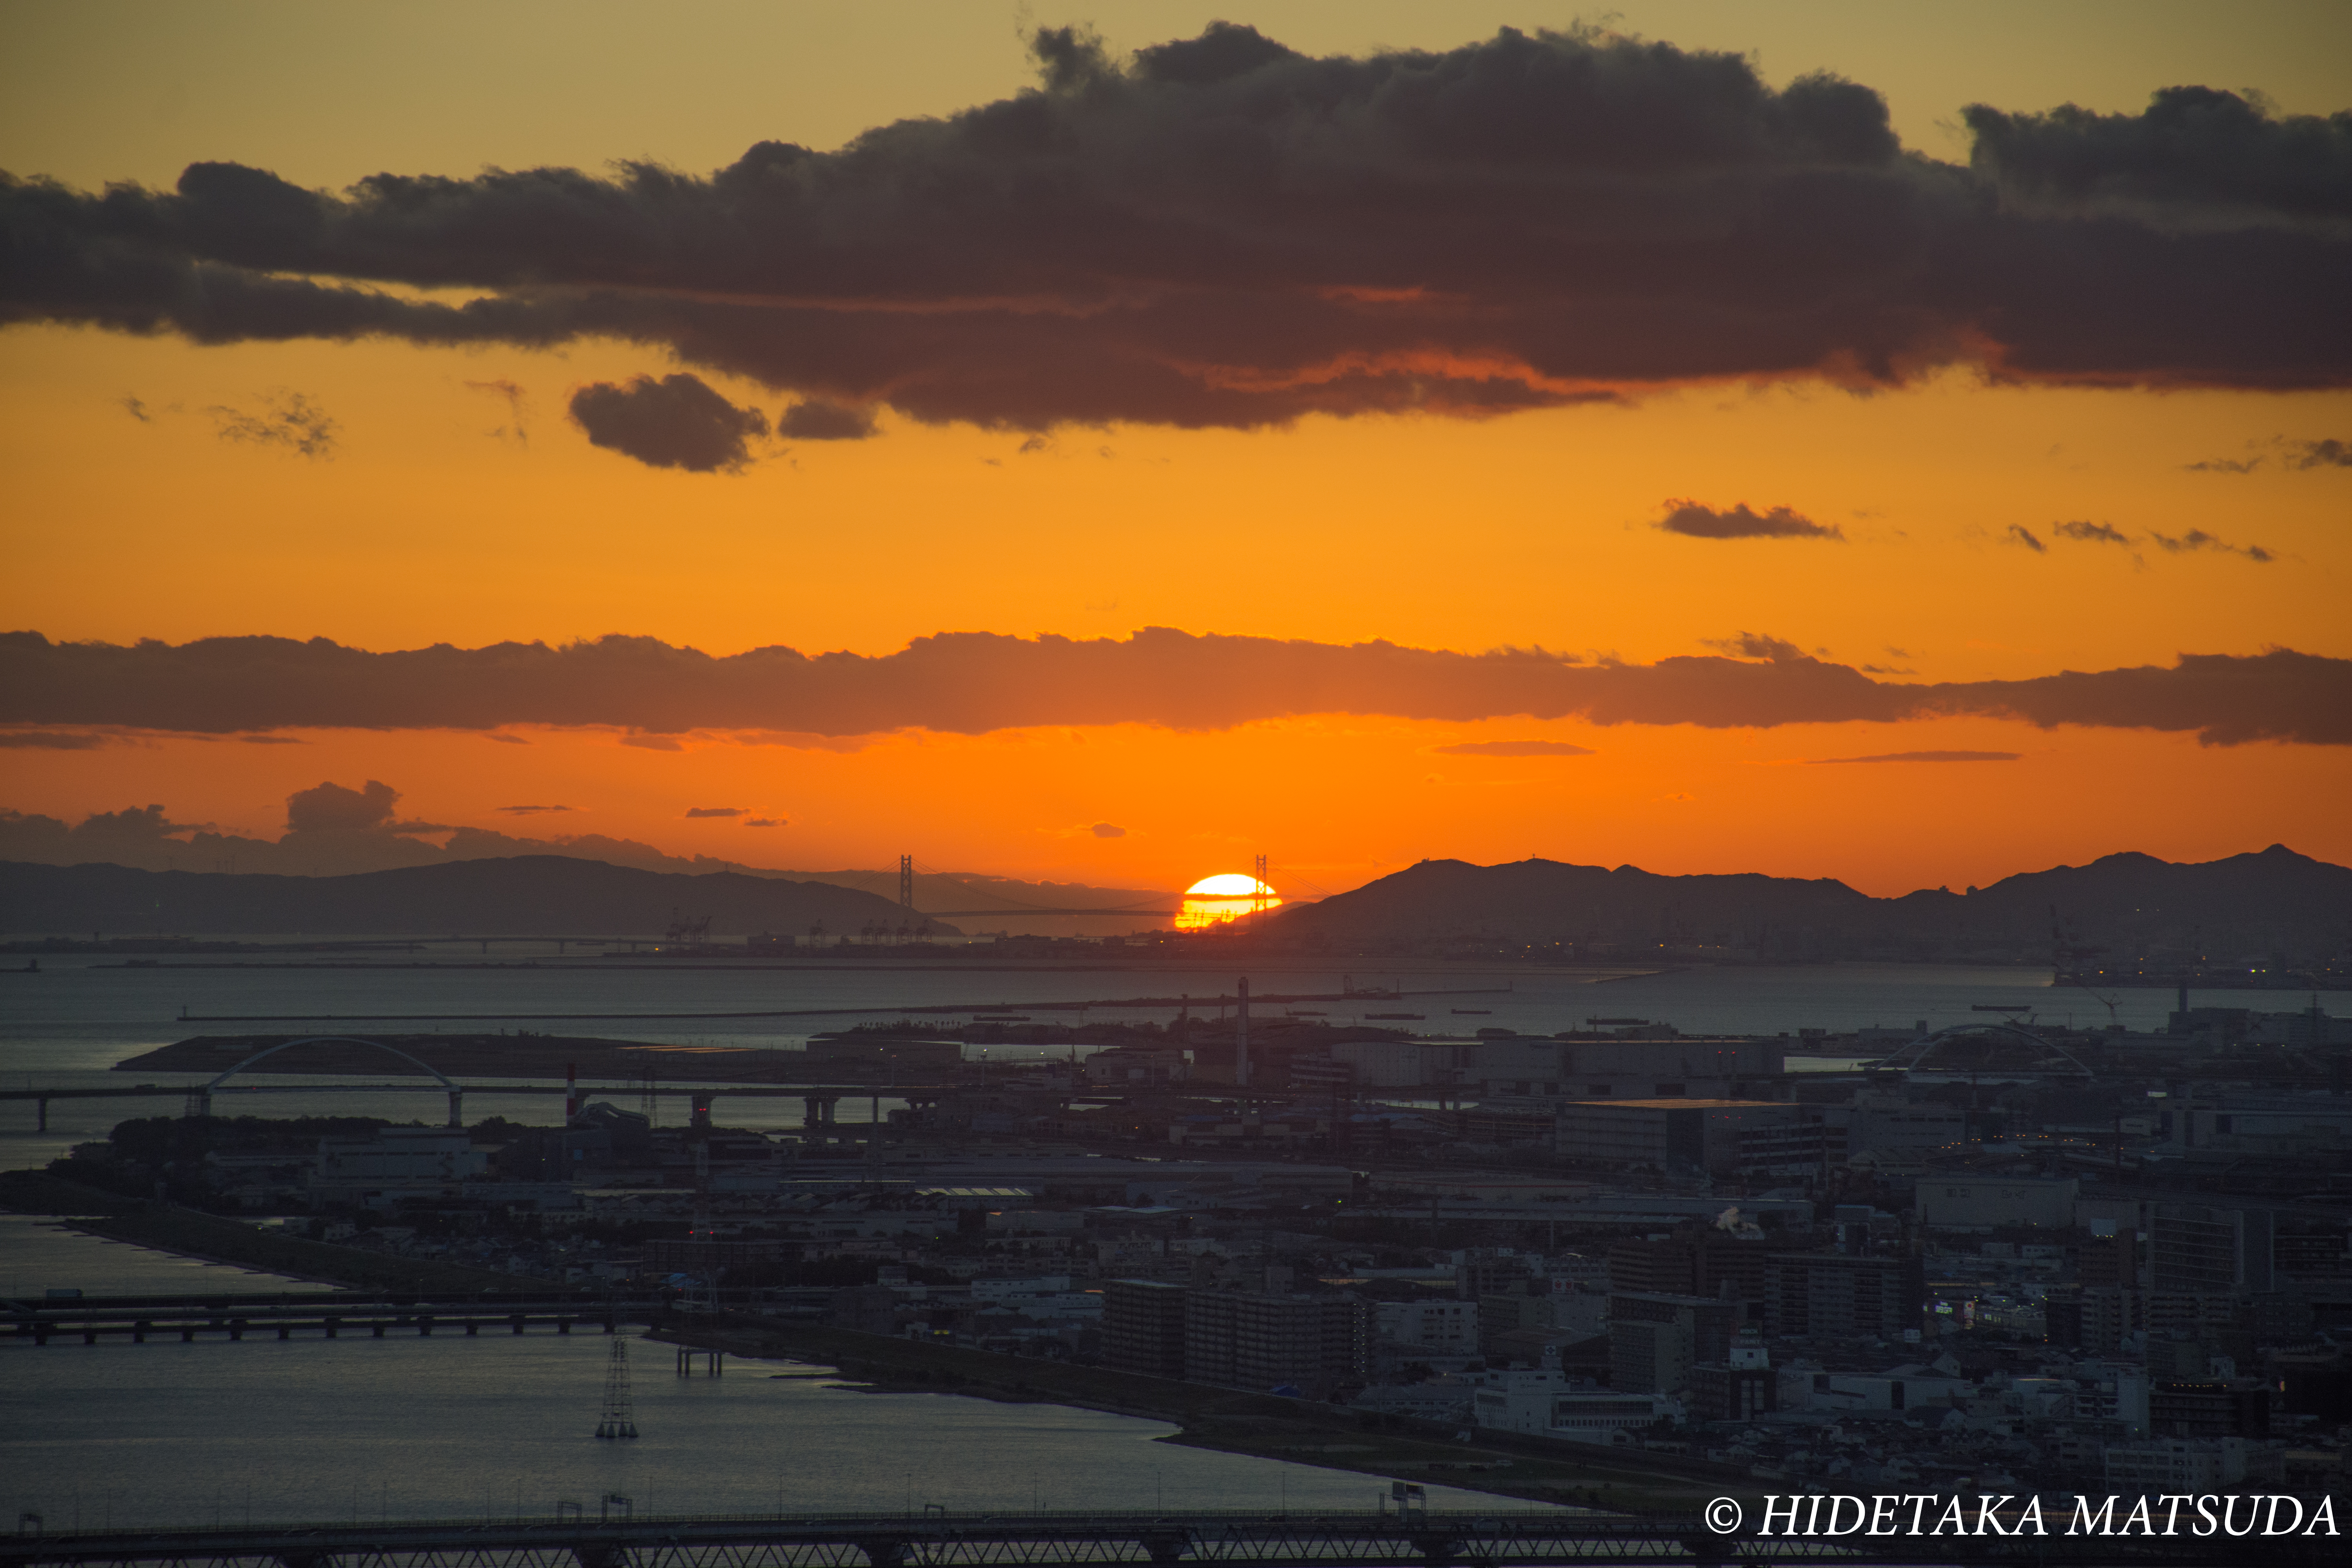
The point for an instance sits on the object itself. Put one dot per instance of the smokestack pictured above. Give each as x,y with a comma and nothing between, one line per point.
1241,1037
570,1094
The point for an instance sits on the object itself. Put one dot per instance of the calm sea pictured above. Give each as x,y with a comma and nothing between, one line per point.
497,1427
68,1023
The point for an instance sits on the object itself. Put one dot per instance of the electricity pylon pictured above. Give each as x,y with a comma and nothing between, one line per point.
619,1419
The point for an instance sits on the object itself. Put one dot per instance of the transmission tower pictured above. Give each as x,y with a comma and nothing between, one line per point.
620,1418
906,881
1258,892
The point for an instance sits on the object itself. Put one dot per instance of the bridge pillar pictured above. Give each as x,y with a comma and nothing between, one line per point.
1437,1550
199,1105
883,1554
819,1111
457,1108
597,1554
1166,1545
306,1559
702,1111
41,1111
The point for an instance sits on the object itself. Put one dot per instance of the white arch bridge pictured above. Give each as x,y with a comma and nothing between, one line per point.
1913,1054
200,1099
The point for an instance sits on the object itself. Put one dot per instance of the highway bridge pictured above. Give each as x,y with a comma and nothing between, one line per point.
603,1535
324,1314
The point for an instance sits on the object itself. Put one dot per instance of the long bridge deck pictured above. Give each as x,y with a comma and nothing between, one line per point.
1062,1540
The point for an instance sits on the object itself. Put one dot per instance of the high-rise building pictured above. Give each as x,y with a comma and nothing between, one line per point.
1654,1339
1311,1343
1696,1262
1143,1327
2195,1249
1833,1294
1738,1388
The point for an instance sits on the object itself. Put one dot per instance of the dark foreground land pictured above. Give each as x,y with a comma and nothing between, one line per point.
1228,1420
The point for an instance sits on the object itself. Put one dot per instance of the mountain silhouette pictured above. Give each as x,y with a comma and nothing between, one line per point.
2276,902
527,895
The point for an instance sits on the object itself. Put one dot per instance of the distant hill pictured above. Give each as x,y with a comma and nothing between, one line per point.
526,895
2274,902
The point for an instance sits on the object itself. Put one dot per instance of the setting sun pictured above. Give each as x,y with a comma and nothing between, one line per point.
1213,901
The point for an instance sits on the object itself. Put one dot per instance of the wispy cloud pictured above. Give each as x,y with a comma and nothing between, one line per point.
1927,757
287,420
1512,749
2197,539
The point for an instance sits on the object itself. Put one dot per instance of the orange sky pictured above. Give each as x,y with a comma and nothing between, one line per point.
432,517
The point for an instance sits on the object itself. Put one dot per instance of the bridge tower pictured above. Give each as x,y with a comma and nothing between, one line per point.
1258,893
906,881
620,1419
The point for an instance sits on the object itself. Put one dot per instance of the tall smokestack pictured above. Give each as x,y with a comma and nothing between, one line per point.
570,1094
1241,1037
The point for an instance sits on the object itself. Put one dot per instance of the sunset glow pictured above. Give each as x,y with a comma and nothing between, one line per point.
1228,895
748,513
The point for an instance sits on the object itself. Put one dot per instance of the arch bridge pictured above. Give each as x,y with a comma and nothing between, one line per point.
200,1101
1917,1051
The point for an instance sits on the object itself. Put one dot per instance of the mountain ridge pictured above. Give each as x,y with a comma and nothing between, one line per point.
2270,898
520,895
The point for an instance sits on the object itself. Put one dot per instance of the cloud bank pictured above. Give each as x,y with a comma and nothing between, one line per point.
973,682
1221,231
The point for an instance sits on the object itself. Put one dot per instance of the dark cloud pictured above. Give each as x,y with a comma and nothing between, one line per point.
765,821
331,808
1108,830
2328,454
2192,152
2020,534
130,835
55,740
1513,748
1755,645
818,420
694,811
1929,757
2224,465
1225,232
288,420
532,810
678,422
1739,522
2197,539
973,682
2091,532
137,410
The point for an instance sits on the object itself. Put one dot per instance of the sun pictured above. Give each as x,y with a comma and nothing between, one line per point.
1228,895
